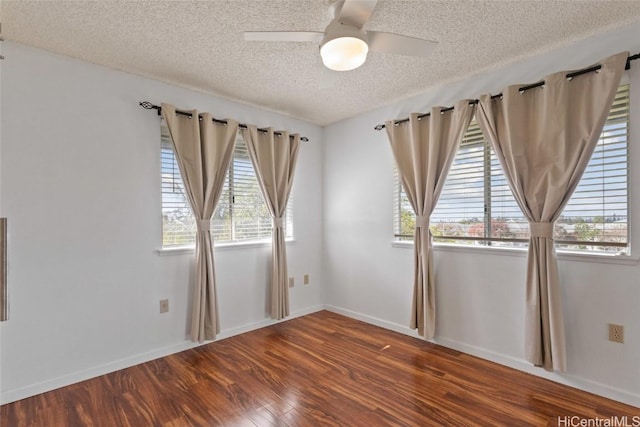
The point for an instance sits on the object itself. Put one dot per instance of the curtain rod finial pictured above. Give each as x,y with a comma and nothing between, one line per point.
149,106
379,127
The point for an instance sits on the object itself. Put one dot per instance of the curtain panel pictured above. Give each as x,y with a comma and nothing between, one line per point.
424,149
203,150
274,156
543,138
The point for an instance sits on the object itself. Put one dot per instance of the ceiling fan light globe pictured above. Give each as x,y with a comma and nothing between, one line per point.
344,53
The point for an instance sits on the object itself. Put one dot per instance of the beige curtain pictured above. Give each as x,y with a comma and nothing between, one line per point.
274,156
544,138
204,150
424,150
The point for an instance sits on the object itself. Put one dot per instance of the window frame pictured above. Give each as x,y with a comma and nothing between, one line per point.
228,198
626,256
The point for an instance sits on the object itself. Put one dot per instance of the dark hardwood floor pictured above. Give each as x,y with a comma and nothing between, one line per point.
321,369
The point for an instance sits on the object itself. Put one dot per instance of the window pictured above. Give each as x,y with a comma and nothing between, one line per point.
476,206
241,214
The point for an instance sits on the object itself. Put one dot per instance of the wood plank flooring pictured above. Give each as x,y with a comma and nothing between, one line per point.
319,370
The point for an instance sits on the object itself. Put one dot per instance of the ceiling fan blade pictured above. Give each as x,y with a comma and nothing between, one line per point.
400,45
284,36
356,12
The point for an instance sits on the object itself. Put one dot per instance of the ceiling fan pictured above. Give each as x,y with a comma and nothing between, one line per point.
344,44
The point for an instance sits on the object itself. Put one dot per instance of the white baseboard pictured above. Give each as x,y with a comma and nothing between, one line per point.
512,362
373,321
266,322
8,396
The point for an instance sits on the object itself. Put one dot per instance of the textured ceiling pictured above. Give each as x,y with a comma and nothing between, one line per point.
200,45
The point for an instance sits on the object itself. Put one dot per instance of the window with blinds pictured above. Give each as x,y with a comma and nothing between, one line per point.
241,214
476,206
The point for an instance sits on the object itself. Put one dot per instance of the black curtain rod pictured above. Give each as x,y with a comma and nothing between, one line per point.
149,106
523,88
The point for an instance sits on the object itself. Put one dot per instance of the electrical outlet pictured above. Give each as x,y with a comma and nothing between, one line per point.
616,333
164,305
306,279
291,282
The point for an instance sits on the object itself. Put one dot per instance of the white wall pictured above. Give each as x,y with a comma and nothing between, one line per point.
1,61
81,188
480,293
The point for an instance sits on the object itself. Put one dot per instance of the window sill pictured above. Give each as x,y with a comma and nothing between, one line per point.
181,250
522,252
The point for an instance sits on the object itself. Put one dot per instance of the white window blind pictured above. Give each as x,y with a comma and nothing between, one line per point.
241,214
476,206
